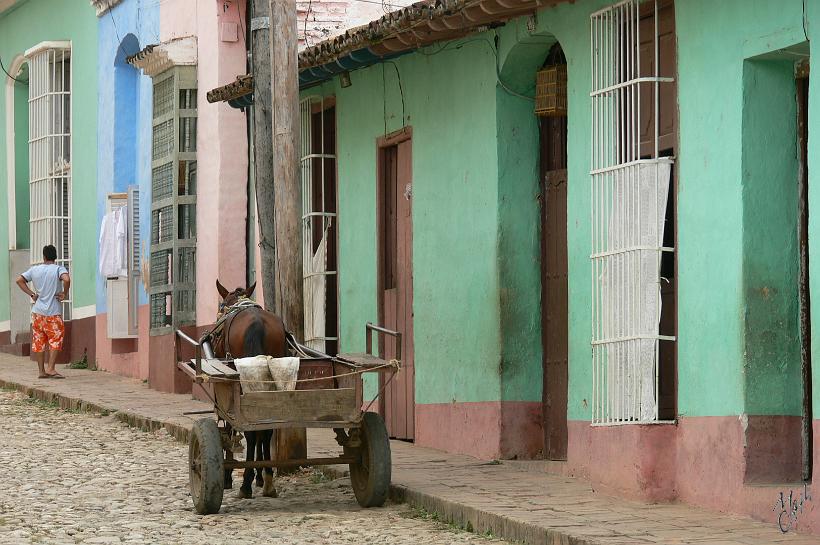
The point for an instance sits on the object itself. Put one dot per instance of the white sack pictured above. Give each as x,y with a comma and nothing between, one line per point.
251,371
284,372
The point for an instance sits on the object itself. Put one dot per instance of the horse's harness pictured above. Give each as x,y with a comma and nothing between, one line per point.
220,333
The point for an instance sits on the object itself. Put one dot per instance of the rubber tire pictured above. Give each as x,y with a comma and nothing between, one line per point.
207,490
371,477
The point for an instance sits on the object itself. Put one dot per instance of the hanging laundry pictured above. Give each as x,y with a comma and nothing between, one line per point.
113,244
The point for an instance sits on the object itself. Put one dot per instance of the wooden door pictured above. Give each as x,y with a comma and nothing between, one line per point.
396,283
554,326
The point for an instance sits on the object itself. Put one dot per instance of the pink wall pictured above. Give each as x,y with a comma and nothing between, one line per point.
128,357
222,148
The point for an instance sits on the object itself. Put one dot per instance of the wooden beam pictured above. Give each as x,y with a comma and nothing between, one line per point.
284,59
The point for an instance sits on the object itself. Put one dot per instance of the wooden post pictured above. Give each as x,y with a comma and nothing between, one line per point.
284,58
263,147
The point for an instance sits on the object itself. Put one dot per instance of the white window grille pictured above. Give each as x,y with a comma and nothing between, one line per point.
172,291
629,190
316,164
50,153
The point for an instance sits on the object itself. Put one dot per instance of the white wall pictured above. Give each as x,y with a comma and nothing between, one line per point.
329,18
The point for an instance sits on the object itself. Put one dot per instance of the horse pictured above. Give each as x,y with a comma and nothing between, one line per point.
247,331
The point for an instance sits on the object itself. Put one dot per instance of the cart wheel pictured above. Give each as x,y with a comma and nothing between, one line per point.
206,467
371,476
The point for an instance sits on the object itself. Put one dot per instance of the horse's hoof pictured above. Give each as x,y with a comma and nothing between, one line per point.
269,490
245,493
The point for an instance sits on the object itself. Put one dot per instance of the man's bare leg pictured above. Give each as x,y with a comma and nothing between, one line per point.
52,360
41,358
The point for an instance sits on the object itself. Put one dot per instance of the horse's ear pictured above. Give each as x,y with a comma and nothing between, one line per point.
221,289
249,289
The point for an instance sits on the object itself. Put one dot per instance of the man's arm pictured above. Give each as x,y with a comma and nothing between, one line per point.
24,286
66,284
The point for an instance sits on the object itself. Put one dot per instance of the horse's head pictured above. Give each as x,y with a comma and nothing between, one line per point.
230,298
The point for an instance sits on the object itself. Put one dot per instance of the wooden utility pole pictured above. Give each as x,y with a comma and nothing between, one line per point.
262,147
284,71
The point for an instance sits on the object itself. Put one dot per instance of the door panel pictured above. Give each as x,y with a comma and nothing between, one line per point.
396,285
554,339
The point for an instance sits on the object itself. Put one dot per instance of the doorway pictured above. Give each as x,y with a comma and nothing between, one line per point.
554,308
802,86
395,279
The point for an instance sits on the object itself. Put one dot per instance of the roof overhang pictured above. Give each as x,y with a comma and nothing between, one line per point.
398,33
157,58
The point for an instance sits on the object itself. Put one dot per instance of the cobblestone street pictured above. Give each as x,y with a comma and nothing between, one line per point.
80,478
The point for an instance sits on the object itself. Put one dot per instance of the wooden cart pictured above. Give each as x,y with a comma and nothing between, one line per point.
328,395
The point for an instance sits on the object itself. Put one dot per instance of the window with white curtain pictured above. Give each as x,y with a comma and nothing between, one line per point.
318,178
50,153
630,180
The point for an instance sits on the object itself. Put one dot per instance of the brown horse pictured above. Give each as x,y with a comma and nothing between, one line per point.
250,331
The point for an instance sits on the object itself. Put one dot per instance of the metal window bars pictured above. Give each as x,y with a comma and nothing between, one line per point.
629,188
316,221
50,143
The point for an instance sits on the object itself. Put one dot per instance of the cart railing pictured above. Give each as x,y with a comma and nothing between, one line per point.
198,350
370,328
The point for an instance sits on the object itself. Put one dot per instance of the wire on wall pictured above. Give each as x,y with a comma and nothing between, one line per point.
307,15
451,46
805,33
9,75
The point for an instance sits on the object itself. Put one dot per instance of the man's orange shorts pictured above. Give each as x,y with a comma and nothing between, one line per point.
46,329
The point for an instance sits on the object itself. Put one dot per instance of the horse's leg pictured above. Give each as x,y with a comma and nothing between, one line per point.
268,489
246,490
259,457
228,472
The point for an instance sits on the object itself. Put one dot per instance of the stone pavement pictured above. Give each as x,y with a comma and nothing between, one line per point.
515,504
85,479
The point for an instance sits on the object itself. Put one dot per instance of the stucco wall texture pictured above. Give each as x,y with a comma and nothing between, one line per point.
25,26
476,256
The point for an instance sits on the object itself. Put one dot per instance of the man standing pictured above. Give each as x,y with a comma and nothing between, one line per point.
51,283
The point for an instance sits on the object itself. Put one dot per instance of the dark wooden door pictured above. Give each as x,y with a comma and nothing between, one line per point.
554,285
396,285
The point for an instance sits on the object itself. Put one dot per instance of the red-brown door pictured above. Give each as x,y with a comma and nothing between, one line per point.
554,292
396,282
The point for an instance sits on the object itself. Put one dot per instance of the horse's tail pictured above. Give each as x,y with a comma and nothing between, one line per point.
254,342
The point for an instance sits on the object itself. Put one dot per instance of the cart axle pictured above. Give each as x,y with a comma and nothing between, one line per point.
306,462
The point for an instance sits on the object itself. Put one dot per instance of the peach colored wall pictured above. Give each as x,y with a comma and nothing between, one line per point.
128,357
222,152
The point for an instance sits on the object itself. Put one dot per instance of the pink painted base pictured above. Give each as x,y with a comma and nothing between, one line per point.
488,430
727,464
123,356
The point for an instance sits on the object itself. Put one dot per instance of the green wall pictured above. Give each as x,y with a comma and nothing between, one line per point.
476,259
21,28
21,158
449,101
772,373
733,358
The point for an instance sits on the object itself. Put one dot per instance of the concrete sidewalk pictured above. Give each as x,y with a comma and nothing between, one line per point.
518,505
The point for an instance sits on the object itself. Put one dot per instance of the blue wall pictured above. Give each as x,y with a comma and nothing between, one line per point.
124,130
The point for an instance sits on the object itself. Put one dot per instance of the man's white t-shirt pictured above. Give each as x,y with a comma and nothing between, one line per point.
47,284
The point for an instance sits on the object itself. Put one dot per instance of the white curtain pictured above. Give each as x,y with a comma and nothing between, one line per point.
630,282
315,298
